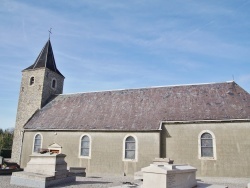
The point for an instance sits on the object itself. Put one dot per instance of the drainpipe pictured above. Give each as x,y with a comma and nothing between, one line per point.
160,135
160,127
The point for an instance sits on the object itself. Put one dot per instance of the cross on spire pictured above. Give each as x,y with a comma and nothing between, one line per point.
50,32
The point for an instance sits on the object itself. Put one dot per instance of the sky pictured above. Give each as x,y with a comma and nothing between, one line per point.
116,44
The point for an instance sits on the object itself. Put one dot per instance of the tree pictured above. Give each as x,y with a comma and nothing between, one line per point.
1,138
6,138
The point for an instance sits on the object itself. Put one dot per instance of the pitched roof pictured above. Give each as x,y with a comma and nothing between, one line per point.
143,109
45,59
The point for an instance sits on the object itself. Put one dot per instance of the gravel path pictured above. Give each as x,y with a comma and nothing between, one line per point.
100,181
229,182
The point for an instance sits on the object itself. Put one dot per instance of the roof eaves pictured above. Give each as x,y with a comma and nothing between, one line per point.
206,121
93,130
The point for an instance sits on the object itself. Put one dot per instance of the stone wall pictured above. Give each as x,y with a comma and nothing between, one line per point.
31,98
47,86
232,140
106,150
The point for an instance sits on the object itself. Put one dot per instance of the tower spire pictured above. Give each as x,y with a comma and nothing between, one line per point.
45,59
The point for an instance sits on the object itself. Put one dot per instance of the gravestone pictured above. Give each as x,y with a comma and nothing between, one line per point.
43,170
164,174
55,148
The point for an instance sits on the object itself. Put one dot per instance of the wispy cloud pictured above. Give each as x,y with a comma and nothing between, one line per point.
118,44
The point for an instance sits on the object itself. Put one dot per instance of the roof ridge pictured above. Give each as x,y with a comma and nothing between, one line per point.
46,55
196,84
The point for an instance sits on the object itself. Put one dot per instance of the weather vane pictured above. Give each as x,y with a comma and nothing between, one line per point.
50,32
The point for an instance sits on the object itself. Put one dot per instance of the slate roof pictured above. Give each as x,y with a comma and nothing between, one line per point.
143,109
45,59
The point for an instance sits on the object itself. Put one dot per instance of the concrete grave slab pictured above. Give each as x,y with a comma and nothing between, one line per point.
43,170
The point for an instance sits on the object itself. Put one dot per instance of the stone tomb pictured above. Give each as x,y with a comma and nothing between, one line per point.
164,174
43,170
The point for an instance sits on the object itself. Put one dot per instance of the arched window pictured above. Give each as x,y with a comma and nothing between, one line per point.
53,84
206,145
37,143
32,80
207,148
130,148
85,146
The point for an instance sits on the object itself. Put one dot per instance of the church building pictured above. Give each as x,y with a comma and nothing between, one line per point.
121,131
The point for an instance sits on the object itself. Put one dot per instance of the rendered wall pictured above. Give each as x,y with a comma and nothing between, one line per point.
106,150
232,147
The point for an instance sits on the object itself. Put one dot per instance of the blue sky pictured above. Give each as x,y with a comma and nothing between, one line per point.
115,44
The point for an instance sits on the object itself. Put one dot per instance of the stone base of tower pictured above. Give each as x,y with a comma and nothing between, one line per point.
16,147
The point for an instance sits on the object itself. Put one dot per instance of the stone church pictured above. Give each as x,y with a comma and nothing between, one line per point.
121,131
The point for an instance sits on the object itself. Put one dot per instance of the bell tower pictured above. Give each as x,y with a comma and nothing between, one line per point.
40,82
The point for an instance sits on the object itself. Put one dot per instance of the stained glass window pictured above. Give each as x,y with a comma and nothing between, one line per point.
130,148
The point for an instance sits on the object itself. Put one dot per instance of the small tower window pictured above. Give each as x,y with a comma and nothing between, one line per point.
53,84
32,80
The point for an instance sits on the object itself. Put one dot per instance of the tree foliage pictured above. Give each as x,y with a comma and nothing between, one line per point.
6,138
